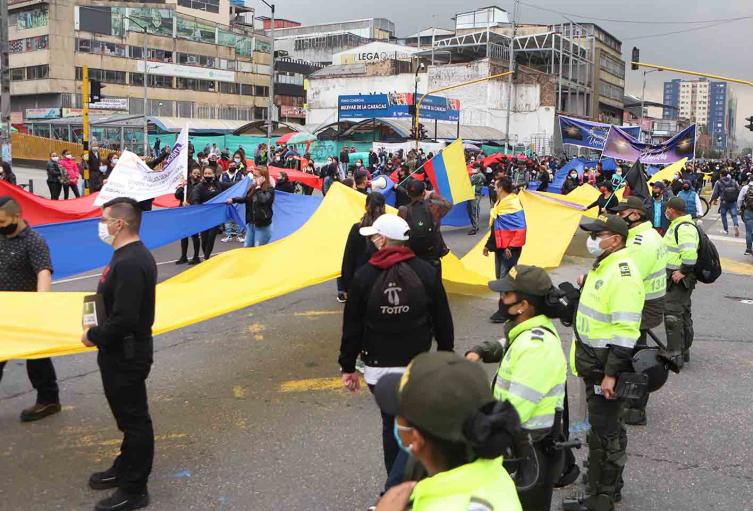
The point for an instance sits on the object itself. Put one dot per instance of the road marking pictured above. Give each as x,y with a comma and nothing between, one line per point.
311,384
730,266
84,277
312,314
240,392
716,237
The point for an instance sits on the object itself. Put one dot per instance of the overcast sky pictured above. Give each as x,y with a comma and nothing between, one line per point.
724,49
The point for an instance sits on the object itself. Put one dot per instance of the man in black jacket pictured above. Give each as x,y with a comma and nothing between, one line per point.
396,306
123,338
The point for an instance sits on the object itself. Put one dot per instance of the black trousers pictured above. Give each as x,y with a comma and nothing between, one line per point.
539,496
124,382
389,444
42,377
71,187
55,189
184,246
207,241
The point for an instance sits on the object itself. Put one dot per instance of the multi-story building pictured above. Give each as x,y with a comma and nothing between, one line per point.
290,91
203,58
702,102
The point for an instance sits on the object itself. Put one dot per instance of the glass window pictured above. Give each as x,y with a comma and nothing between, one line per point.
247,90
226,38
18,74
261,91
157,21
195,84
201,5
190,29
229,88
42,130
244,46
30,18
37,72
263,46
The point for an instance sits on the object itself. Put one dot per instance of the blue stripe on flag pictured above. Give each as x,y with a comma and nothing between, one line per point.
510,221
440,174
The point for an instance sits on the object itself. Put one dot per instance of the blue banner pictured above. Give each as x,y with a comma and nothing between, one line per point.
397,105
625,147
589,134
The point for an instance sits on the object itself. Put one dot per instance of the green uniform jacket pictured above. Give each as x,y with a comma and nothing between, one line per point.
646,248
532,373
608,318
483,485
683,253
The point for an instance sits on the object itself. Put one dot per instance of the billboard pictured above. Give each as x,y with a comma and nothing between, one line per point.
397,105
621,145
588,133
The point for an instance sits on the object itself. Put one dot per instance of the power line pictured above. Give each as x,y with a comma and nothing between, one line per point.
649,36
640,22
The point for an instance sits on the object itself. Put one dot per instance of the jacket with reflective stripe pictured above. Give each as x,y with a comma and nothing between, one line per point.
608,318
649,254
683,253
532,373
480,485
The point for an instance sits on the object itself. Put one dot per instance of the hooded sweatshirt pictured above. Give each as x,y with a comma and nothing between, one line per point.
396,306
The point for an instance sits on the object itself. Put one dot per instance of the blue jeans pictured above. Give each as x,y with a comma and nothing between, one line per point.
257,236
731,208
502,265
748,220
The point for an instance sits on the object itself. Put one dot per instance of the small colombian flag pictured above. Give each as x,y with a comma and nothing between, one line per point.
449,175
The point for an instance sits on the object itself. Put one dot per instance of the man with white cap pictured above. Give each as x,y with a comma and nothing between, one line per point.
396,306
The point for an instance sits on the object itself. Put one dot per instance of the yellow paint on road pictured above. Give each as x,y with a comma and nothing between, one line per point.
313,384
240,392
313,314
256,328
739,268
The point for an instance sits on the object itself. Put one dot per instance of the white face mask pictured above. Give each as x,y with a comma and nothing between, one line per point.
69,156
102,168
55,158
594,246
114,161
104,234
237,160
619,172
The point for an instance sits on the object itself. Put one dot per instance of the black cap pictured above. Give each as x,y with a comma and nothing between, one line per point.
530,280
610,223
677,204
659,184
631,202
437,393
415,187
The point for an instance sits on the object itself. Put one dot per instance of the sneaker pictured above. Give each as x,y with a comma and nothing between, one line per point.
195,260
226,239
725,232
341,297
737,232
240,239
748,252
39,411
182,260
122,501
472,232
104,480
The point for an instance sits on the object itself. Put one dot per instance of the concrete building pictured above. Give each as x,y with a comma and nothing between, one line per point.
290,92
204,49
702,102
319,43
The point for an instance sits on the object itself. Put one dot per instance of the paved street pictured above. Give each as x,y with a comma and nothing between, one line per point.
249,413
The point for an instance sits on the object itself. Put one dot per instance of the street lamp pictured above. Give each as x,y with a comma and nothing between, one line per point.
271,84
643,95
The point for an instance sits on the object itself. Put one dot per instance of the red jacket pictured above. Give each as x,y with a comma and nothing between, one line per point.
71,168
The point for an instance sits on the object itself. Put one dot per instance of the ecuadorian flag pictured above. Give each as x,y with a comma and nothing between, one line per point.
449,175
508,220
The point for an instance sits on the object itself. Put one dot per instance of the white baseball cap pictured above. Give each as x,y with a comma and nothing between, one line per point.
390,226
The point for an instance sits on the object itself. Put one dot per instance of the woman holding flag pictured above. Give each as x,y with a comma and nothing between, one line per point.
507,232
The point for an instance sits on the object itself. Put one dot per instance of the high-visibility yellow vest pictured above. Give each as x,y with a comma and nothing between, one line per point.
483,485
684,250
649,254
609,311
532,373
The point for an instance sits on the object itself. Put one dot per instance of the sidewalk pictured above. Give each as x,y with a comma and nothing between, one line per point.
38,176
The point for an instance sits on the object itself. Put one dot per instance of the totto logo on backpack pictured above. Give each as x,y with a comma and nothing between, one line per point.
708,267
422,240
397,299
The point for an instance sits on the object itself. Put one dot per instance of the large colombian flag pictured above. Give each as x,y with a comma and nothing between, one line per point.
508,220
449,175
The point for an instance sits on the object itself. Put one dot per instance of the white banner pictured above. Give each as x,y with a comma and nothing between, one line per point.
186,71
133,178
428,147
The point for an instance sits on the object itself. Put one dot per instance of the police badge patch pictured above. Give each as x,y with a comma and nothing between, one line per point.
624,269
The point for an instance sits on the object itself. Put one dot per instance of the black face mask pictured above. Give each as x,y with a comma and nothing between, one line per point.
657,194
686,188
9,229
505,311
209,180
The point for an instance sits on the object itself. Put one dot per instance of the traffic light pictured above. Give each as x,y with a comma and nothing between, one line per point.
750,123
413,133
95,91
422,132
636,58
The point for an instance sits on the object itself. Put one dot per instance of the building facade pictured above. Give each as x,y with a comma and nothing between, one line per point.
703,102
202,49
291,77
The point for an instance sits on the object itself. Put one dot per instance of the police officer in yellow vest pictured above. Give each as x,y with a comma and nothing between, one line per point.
649,254
607,326
682,242
532,372
448,420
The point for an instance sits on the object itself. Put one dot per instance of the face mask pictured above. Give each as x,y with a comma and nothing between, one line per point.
666,215
686,187
114,161
102,168
594,246
209,180
55,158
9,229
657,194
619,172
573,176
237,160
69,156
505,311
399,440
105,235
204,161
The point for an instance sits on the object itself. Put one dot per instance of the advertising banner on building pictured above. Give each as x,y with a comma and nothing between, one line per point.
621,145
133,178
589,134
397,105
42,113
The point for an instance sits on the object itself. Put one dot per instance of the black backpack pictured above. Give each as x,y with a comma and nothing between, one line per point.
748,199
730,192
708,267
422,236
398,300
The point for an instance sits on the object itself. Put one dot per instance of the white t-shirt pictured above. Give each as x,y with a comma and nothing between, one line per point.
372,374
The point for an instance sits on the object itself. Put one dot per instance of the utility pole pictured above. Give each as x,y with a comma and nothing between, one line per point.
271,85
516,9
146,93
5,153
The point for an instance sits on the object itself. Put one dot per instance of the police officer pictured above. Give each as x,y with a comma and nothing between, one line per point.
682,242
446,417
532,372
647,250
123,338
607,326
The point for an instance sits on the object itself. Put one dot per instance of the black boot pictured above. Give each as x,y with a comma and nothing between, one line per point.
635,417
104,480
122,501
